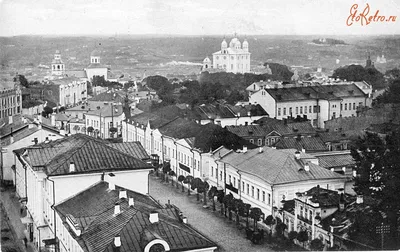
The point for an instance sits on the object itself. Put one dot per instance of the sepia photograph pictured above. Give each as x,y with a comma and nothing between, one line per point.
201,126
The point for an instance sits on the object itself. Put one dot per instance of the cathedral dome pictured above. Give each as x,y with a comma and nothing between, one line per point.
95,53
238,44
224,44
245,43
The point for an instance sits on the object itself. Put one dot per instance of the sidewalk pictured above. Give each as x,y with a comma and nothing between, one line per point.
12,208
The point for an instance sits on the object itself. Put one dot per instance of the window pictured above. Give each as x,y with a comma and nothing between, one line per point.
297,110
269,199
258,194
217,57
231,66
301,110
354,106
216,173
263,196
301,211
248,189
234,181
279,111
305,109
284,111
333,115
345,106
242,186
230,179
251,140
341,106
252,191
290,111
212,171
259,142
310,109
220,175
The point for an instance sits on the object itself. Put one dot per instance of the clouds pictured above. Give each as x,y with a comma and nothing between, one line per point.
190,17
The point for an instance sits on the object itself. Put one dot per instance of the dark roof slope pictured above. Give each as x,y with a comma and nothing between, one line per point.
93,209
308,143
87,153
135,149
215,111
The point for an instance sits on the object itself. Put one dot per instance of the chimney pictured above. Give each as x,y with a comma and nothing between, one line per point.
117,241
307,167
131,202
111,186
10,120
297,155
360,199
71,167
53,119
244,149
153,218
260,150
122,194
185,220
117,209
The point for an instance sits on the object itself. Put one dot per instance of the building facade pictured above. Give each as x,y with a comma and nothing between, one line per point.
232,59
10,100
317,103
264,177
49,173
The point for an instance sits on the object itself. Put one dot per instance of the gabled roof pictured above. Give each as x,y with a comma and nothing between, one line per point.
87,153
135,149
93,209
335,160
108,97
158,117
276,166
180,128
326,92
220,111
247,130
309,143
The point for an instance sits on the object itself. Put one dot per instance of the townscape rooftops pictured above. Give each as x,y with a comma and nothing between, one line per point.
106,110
135,149
108,96
247,130
94,208
309,143
180,128
87,153
336,160
277,166
327,92
210,111
65,80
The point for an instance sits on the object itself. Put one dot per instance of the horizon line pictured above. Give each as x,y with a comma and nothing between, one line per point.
191,35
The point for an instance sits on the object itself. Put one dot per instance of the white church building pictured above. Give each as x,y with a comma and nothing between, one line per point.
233,59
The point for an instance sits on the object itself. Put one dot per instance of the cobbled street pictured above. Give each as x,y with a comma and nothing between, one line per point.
216,227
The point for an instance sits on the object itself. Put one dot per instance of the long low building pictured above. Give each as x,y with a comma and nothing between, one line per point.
264,177
318,103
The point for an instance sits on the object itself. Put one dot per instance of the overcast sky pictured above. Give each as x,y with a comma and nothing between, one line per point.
190,17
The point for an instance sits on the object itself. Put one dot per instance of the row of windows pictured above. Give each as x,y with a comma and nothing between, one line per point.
300,110
233,57
241,185
268,141
10,100
10,111
95,123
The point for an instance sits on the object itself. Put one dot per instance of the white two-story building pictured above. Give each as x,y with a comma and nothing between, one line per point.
48,173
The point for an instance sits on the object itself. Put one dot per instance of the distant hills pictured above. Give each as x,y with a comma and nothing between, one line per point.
135,55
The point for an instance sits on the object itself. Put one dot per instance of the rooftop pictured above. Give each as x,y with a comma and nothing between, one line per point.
277,166
93,209
309,143
87,153
216,111
135,149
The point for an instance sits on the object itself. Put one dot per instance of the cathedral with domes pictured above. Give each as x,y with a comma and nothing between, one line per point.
234,58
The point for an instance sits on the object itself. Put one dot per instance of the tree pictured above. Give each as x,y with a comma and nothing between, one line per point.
76,128
378,173
280,227
255,214
391,95
269,221
157,82
211,194
90,129
166,169
359,73
227,201
204,189
238,204
302,236
316,245
113,130
46,111
181,178
188,180
172,174
292,235
195,185
22,80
